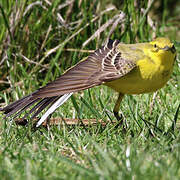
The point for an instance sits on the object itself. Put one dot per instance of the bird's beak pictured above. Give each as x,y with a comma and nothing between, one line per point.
172,49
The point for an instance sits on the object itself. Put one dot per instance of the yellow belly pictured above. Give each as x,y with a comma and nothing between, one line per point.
146,77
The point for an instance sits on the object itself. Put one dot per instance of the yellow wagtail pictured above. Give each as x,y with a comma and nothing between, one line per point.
126,68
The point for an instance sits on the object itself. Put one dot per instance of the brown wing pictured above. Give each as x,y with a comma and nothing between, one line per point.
105,64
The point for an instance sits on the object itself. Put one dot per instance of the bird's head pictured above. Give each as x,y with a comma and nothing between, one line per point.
164,48
163,45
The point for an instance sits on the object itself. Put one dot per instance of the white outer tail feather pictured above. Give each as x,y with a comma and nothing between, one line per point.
57,104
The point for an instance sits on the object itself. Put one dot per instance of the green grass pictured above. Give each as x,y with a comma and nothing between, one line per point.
35,49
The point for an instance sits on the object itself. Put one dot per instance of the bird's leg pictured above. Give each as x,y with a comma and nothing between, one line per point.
116,109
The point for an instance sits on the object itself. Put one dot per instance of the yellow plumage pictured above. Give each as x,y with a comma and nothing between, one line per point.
153,68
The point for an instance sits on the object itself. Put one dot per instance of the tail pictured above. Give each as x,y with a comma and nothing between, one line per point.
35,106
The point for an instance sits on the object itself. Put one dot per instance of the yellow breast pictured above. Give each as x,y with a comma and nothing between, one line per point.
148,76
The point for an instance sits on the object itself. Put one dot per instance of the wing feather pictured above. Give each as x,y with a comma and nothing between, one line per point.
105,64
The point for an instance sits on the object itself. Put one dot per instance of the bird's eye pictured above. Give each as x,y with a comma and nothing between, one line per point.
155,48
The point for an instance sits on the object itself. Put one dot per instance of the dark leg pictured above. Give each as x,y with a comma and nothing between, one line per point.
116,109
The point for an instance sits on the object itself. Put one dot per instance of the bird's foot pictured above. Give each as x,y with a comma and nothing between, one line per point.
120,121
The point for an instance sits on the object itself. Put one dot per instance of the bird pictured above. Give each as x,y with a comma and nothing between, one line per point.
126,68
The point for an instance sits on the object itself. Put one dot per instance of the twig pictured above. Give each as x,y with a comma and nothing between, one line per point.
119,17
69,11
78,50
150,3
4,82
119,20
67,121
61,6
30,6
46,37
32,62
